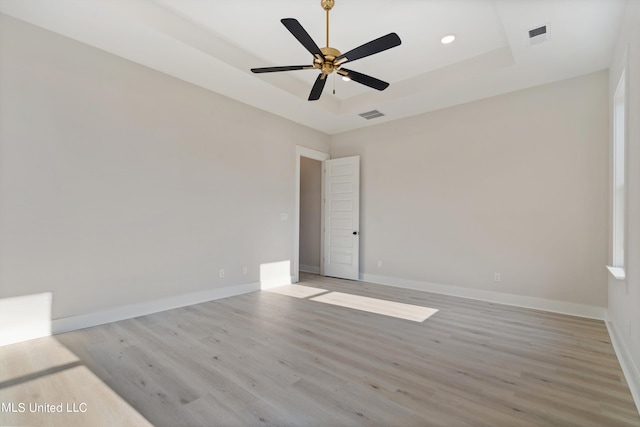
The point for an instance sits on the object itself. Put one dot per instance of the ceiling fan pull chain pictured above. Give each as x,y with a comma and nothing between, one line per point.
334,84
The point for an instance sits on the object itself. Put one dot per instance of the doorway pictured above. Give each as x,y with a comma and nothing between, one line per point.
339,237
308,248
310,215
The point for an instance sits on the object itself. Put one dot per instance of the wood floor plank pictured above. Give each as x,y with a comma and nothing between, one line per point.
282,359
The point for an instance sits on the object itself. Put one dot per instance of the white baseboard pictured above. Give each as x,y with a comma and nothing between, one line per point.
562,307
115,314
310,269
629,368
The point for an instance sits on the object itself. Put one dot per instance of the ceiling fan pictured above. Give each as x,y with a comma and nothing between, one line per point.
328,59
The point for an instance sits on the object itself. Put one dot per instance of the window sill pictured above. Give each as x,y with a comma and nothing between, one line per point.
617,272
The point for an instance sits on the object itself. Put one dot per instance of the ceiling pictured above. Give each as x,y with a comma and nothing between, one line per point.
214,43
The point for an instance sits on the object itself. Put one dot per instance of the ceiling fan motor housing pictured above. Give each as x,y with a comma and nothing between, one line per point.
330,54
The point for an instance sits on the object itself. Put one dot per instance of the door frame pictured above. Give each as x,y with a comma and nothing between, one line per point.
315,155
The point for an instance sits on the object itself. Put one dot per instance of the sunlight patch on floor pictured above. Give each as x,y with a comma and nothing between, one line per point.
44,383
400,310
297,291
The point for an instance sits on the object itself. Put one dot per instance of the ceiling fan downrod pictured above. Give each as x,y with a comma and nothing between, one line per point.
327,65
327,5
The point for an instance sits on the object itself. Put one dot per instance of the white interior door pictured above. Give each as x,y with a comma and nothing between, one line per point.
342,217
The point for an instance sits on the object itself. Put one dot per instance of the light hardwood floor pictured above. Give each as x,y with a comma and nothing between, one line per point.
270,359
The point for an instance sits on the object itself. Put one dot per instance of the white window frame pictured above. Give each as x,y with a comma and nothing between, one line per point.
619,177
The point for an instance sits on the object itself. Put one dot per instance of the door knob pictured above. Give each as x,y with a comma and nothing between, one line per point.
355,233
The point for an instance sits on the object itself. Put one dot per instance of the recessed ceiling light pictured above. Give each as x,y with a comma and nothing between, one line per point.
447,39
346,79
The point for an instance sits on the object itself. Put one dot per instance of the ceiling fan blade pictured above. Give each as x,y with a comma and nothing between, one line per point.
316,91
285,68
364,79
301,34
374,46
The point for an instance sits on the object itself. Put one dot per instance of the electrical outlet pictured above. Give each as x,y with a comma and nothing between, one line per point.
222,273
379,264
497,277
244,269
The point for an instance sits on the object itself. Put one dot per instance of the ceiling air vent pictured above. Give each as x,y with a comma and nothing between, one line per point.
538,35
373,114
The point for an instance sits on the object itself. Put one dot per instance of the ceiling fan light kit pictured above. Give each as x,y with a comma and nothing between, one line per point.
328,59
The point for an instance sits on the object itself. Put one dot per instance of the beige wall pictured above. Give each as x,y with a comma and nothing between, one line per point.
515,184
310,212
119,184
624,296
